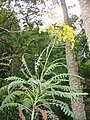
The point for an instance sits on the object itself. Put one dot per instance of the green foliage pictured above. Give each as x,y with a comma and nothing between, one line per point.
41,90
87,107
9,105
8,41
14,44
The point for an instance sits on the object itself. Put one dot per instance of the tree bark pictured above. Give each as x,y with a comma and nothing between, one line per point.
85,8
77,106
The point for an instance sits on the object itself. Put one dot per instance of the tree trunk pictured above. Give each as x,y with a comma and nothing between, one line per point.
85,8
77,106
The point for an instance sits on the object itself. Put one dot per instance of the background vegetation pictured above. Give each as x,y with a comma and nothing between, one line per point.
14,43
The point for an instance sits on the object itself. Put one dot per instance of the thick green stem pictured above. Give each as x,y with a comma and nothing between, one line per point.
47,59
34,104
32,117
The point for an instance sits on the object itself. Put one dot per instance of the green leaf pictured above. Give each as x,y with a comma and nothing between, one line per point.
14,85
25,67
10,97
38,62
9,105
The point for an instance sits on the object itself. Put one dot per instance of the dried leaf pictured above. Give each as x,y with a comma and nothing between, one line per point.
21,113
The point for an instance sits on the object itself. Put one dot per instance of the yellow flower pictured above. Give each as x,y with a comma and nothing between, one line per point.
72,45
41,29
64,32
50,26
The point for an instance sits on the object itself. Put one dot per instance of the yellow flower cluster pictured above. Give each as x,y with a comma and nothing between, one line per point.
62,31
51,29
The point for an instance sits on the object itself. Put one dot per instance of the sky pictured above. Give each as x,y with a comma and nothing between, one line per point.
59,14
57,10
76,10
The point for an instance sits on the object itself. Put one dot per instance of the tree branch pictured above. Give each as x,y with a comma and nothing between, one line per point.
11,31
